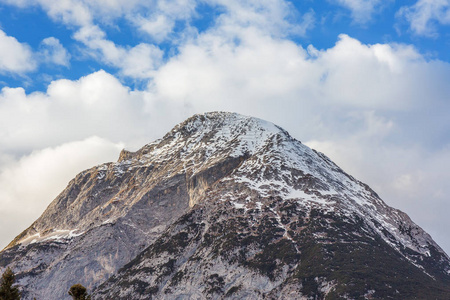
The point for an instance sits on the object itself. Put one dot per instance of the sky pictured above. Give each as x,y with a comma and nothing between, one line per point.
367,82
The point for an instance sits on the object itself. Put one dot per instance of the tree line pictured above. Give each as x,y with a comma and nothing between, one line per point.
9,291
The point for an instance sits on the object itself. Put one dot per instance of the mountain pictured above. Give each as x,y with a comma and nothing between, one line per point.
226,206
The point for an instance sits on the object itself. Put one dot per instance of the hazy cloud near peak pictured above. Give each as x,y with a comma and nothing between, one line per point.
27,184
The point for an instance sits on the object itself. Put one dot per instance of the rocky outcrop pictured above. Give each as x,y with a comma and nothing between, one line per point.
275,251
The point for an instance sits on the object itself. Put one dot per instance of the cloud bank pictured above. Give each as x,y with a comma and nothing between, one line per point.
29,182
379,110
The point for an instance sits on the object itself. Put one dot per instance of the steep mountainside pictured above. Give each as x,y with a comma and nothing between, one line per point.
226,206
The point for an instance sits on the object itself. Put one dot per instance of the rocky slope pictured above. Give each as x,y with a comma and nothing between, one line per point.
226,206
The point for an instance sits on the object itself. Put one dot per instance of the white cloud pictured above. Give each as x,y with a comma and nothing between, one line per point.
68,11
157,27
29,184
159,21
362,10
380,111
15,57
139,61
376,76
424,15
97,104
260,68
19,58
51,51
380,107
276,17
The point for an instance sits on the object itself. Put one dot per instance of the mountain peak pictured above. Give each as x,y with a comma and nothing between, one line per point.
224,130
171,203
269,162
205,139
218,119
222,120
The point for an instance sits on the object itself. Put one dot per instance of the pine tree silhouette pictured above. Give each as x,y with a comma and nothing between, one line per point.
79,292
7,291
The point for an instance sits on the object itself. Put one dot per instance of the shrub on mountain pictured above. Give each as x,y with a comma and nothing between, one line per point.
7,291
79,292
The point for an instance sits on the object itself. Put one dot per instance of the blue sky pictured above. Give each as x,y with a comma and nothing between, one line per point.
371,22
364,81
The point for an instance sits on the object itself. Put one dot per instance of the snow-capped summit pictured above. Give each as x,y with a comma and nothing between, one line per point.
277,164
225,205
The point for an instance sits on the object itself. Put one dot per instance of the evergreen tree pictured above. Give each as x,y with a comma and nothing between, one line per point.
79,292
7,291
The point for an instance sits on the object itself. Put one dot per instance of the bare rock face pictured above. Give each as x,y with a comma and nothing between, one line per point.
104,218
225,206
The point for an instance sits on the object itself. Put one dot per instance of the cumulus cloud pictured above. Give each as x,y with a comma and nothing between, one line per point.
97,104
161,20
29,184
362,10
424,15
94,105
158,19
157,27
275,17
261,68
383,73
15,57
19,58
68,11
379,110
139,61
51,51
